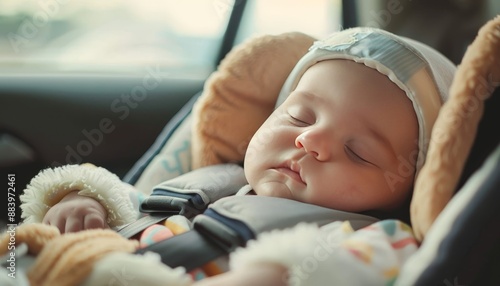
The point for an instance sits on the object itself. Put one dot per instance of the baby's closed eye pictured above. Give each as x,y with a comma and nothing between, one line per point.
300,116
355,156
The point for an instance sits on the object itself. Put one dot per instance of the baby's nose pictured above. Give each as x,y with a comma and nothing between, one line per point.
314,143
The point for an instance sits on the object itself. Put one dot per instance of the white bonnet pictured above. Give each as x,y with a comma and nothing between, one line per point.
421,72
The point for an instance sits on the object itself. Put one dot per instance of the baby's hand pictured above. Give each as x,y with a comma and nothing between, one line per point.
74,213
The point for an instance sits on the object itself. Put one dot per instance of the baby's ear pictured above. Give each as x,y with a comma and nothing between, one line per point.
241,94
455,129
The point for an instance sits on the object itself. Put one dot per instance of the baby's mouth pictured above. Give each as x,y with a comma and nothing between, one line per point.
291,169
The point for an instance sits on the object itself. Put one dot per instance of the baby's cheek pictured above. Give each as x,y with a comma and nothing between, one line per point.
272,189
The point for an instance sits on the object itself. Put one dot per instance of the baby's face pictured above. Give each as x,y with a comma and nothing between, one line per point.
342,140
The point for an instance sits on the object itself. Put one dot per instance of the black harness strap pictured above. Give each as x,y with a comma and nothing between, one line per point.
189,250
132,229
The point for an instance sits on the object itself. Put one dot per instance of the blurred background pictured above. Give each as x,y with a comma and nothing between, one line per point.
120,36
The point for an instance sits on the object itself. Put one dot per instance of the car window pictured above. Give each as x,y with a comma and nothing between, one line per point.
317,18
119,36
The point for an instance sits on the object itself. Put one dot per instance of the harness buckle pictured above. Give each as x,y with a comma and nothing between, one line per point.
172,205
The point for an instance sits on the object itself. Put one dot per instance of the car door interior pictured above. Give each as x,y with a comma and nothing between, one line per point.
109,119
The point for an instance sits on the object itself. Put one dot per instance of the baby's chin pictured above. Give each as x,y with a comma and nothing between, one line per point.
273,189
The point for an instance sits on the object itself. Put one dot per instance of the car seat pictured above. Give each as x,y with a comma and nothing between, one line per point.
463,248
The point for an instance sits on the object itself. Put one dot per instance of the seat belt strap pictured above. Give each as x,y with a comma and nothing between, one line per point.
135,227
159,208
190,250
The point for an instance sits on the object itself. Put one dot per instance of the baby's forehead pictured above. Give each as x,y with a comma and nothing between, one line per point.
343,68
339,77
